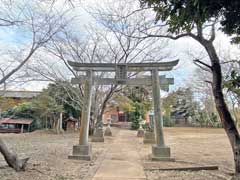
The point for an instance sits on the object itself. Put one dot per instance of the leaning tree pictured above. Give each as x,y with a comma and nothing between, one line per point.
40,23
197,19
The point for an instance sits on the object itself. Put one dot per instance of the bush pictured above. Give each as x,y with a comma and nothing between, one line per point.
167,121
135,124
24,111
134,118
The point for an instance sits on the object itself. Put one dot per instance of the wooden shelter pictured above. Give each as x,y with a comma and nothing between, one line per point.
8,125
71,123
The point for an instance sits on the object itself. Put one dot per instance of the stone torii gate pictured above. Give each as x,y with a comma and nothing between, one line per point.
83,151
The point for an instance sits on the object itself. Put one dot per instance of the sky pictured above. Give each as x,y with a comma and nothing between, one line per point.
184,49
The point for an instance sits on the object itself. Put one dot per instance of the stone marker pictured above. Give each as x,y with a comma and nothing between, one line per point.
98,134
108,131
160,152
140,132
83,151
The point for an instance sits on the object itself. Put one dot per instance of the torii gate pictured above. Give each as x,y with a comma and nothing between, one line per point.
83,151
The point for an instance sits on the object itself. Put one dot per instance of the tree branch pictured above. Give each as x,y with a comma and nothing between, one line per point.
19,66
201,64
213,34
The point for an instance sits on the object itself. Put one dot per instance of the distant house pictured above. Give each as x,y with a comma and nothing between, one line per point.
8,125
180,118
19,94
116,115
9,99
71,124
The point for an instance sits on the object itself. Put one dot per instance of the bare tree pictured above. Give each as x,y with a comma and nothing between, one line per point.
40,25
103,44
203,92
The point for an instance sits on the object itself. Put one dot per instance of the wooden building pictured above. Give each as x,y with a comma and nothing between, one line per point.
119,116
8,125
71,124
9,99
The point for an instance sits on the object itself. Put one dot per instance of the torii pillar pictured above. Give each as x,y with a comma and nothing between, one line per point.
160,152
83,151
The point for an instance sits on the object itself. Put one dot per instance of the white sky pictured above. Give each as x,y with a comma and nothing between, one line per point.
182,49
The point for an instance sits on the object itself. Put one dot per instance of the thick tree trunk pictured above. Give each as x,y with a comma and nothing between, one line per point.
57,127
100,116
223,111
12,159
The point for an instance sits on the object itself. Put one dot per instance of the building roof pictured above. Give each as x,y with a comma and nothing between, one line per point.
15,121
71,119
19,94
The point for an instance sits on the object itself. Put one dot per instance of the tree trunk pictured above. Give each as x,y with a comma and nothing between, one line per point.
46,123
223,111
100,115
12,159
57,126
104,104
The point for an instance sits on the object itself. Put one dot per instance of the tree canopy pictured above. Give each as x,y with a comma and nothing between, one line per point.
189,18
180,15
232,83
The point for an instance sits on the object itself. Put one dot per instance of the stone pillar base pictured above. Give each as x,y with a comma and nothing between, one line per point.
82,152
160,153
149,138
140,133
98,135
108,132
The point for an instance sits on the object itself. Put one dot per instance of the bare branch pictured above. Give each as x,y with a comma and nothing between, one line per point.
202,65
213,34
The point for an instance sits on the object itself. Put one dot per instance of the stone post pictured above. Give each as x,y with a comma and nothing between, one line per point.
83,151
140,132
22,128
108,131
98,133
60,121
160,151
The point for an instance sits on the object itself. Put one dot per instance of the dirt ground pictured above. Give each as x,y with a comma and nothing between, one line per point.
48,157
197,146
49,152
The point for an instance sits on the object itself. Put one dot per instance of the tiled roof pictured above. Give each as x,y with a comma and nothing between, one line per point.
19,94
15,121
71,119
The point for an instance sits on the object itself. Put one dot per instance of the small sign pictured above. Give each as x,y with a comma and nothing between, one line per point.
121,73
